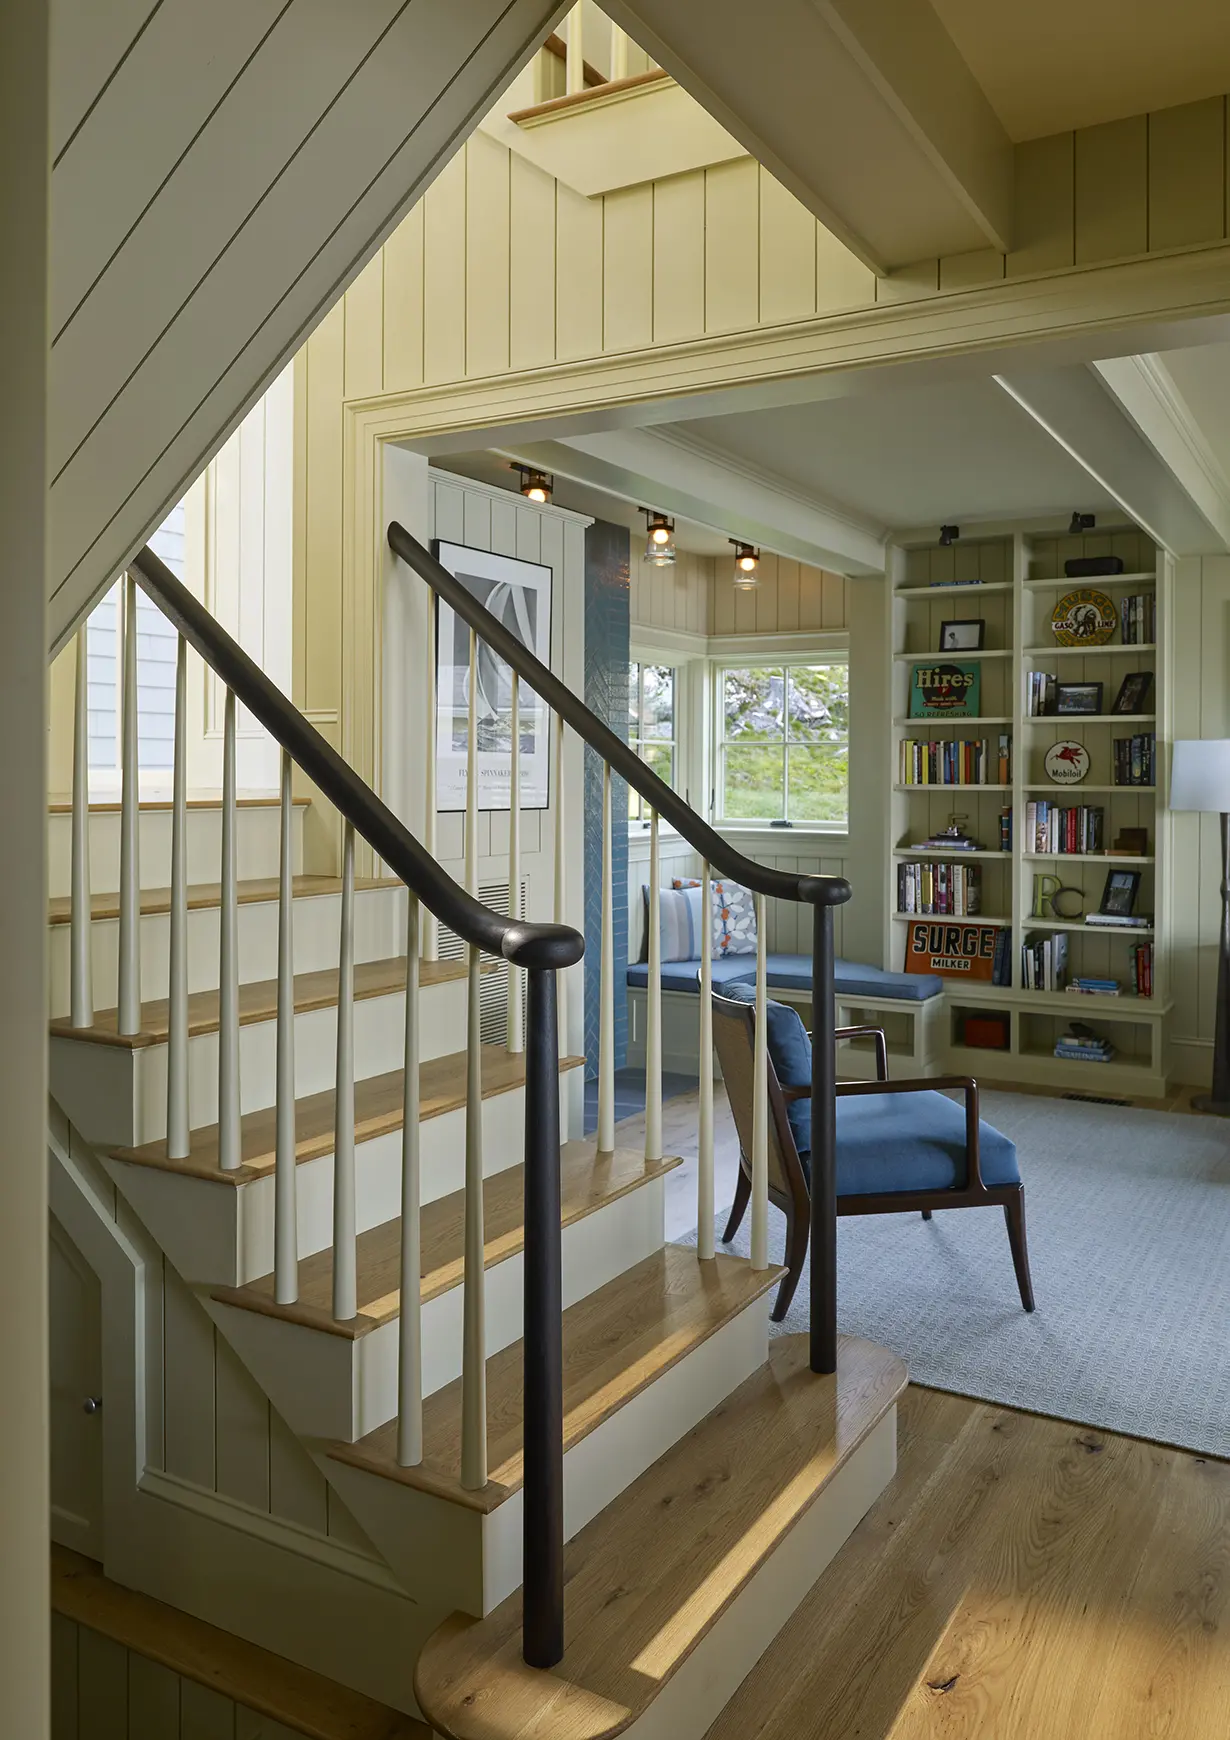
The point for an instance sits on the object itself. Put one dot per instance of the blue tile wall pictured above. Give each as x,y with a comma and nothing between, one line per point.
607,629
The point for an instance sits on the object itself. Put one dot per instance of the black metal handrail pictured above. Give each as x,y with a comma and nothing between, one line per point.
542,949
824,893
815,890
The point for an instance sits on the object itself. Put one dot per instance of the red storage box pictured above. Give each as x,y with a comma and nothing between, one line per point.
987,1032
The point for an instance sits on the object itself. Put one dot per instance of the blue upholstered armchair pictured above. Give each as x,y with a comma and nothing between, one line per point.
900,1144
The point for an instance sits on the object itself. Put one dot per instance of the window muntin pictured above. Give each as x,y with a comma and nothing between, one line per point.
652,713
783,743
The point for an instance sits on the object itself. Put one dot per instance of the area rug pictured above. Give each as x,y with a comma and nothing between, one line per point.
1129,1232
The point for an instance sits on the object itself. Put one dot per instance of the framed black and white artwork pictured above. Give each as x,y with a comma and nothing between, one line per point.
518,595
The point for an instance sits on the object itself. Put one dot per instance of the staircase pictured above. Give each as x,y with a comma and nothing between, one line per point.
573,1444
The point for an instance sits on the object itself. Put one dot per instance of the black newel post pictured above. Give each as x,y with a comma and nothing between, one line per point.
543,1518
823,1147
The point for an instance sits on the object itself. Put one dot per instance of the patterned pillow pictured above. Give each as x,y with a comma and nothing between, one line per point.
679,913
734,919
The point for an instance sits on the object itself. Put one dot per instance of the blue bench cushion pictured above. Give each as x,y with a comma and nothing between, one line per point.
793,973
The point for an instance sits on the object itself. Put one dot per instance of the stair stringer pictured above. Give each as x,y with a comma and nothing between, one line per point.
327,1601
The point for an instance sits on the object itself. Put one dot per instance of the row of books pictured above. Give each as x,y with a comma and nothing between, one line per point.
1060,828
1041,693
967,761
1138,618
1142,969
931,889
1001,960
1044,961
1135,759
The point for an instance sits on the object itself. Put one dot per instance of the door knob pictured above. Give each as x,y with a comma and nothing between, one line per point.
92,1405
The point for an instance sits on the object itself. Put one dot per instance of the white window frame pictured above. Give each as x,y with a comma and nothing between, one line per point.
744,656
666,661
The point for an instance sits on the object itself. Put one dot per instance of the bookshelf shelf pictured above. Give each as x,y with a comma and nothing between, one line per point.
1020,572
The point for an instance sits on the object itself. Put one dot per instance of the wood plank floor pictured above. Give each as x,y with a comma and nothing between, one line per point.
1022,1579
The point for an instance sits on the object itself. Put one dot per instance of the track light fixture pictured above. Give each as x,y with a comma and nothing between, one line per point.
747,561
660,544
1081,523
949,535
535,485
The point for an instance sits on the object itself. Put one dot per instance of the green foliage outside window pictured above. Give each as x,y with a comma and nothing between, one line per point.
783,743
651,726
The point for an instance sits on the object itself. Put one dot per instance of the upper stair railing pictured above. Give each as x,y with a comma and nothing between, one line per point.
821,893
540,951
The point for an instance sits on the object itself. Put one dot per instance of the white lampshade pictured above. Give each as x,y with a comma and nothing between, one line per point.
1200,774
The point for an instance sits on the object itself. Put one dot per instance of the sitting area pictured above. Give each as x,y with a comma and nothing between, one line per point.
900,1144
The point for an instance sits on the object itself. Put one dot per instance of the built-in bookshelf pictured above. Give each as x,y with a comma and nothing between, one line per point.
1011,580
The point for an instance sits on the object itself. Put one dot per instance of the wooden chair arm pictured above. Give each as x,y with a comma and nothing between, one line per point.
967,1085
795,1093
876,1033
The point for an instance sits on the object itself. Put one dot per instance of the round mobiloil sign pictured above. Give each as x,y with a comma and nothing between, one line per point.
1066,763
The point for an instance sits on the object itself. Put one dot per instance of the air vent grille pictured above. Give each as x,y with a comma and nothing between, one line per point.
493,1000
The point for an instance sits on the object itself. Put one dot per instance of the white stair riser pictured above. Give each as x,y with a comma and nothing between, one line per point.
120,1095
327,1386
483,1562
257,846
379,934
221,1235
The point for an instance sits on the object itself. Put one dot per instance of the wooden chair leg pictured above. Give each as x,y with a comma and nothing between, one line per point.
926,1214
1014,1214
743,1195
798,1229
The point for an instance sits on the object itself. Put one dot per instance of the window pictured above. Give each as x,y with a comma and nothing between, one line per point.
651,726
156,652
783,743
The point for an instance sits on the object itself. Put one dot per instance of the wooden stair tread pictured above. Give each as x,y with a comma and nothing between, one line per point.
588,1181
206,894
649,1576
258,1001
378,1101
62,803
617,1341
271,1685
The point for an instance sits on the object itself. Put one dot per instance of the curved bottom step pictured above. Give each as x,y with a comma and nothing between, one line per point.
677,1588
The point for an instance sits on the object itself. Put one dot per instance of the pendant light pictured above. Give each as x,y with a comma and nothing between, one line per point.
660,544
747,563
535,485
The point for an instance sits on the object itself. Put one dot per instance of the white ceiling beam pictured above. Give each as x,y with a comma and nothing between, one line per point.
864,109
1150,396
679,474
1076,408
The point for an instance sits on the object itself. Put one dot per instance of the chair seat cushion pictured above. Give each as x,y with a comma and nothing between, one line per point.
910,1141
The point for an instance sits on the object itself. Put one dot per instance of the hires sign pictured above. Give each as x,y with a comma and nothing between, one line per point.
963,951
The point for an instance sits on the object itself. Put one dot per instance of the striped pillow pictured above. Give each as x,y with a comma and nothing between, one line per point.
679,913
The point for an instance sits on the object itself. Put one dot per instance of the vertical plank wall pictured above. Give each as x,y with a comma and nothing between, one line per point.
102,1691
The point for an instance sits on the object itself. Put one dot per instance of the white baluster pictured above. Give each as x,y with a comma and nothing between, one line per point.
82,1000
574,61
760,1101
345,1250
286,1182
473,1332
516,1031
129,999
606,980
704,1144
410,1332
561,861
653,1003
179,1121
229,1139
430,924
619,52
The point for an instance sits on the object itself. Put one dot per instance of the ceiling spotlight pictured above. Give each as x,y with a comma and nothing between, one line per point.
949,535
535,485
747,559
1081,523
660,544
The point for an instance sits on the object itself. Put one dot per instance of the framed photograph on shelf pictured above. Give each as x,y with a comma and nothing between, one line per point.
964,634
1133,696
1078,698
1119,894
518,595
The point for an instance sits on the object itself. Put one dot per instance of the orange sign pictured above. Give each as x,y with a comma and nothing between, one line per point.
953,949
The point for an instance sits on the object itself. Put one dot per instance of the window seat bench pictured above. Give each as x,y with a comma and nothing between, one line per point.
909,1006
